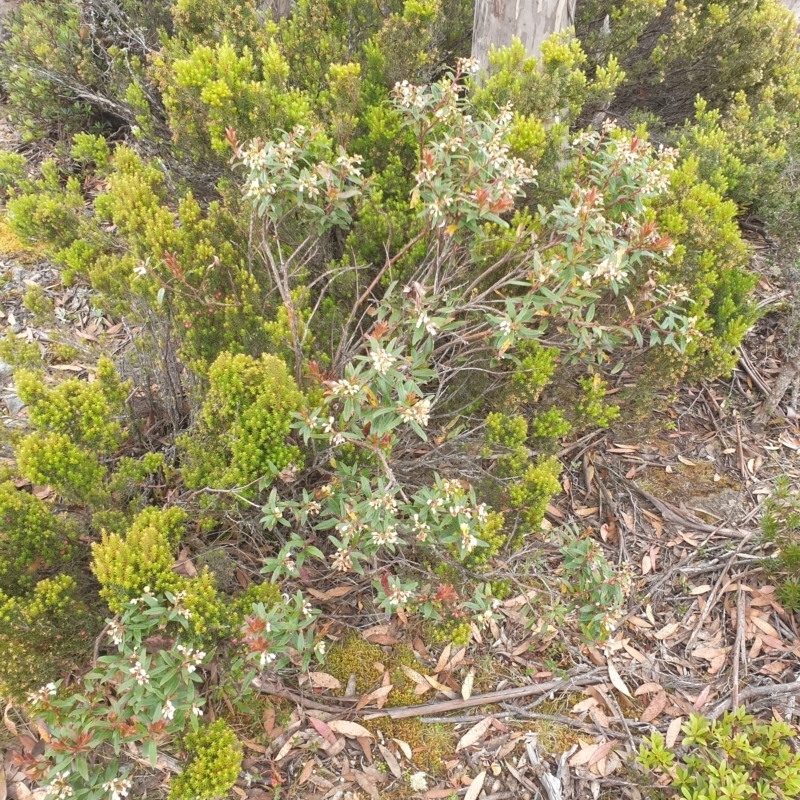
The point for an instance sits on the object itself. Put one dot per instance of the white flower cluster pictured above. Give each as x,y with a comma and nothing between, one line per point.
383,501
118,788
384,537
610,268
168,712
193,658
424,321
341,561
115,631
41,695
419,412
345,387
140,673
398,597
409,96
382,360
468,65
59,787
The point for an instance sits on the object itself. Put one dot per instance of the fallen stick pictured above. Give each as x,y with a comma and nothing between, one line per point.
756,691
490,698
443,707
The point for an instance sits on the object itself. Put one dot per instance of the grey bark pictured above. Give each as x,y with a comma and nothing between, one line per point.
530,21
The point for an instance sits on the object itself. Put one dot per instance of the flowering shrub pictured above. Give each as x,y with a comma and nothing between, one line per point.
138,694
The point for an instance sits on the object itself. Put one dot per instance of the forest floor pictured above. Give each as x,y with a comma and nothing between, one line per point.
675,495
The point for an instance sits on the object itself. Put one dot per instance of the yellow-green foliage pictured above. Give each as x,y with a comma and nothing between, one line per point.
243,424
591,408
217,86
143,559
86,412
710,260
75,423
530,483
215,756
37,302
52,459
32,537
43,634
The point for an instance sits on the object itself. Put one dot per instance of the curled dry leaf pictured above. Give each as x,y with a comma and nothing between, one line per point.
657,705
583,756
391,761
321,680
466,687
405,747
702,698
668,630
375,696
350,729
616,680
323,730
476,786
474,733
648,688
673,731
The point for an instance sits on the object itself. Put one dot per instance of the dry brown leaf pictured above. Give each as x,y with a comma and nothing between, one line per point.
672,731
716,664
706,587
476,786
321,680
583,756
668,630
584,705
305,773
337,591
648,688
475,733
405,747
586,512
323,730
702,698
599,718
391,761
367,785
380,634
657,705
765,627
647,565
616,680
602,751
268,720
638,622
466,687
443,658
775,668
710,653
380,693
350,729
183,564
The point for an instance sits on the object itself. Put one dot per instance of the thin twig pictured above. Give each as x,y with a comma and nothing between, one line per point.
737,647
756,691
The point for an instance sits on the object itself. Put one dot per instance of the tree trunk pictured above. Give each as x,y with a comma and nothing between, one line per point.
530,21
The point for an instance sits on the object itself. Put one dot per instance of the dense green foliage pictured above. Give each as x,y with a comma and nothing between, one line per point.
737,756
370,292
